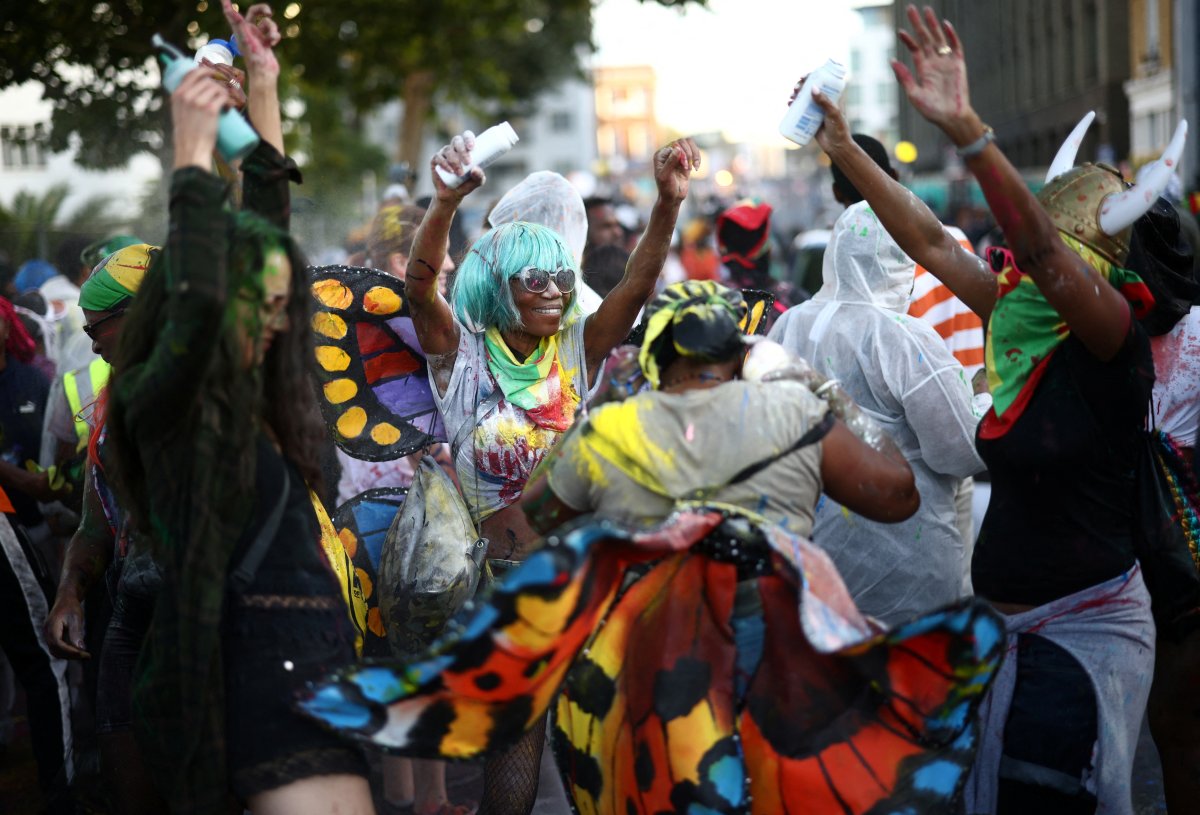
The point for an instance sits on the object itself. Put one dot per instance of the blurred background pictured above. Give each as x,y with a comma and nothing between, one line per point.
373,87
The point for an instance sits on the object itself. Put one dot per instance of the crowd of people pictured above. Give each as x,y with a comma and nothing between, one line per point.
722,528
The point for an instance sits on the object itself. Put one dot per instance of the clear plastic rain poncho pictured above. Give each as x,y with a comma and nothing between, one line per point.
548,199
899,372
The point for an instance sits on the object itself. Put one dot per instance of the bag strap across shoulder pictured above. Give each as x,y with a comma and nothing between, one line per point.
243,575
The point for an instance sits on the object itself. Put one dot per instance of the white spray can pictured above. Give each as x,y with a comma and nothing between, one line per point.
805,116
490,145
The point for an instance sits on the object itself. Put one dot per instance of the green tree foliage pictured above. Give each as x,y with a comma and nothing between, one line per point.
33,225
93,58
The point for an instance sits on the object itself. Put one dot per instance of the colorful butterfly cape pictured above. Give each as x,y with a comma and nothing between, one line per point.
661,701
362,524
375,393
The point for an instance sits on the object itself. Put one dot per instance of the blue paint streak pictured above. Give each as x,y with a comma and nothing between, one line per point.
939,777
379,684
329,705
987,634
729,777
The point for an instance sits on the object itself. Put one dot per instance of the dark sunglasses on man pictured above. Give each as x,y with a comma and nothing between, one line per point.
91,328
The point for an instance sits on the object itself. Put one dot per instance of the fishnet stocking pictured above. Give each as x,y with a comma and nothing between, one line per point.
510,779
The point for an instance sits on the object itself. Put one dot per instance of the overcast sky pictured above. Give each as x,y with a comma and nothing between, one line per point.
730,67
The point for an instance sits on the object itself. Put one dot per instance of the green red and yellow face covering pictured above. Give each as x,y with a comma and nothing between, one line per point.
1025,331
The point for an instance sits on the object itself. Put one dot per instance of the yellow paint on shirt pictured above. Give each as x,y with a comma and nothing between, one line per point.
332,294
332,358
619,438
329,325
380,300
351,423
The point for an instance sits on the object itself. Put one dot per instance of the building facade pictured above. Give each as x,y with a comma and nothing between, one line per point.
1036,68
872,93
1151,86
627,131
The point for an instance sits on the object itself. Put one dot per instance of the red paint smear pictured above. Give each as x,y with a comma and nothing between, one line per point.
389,366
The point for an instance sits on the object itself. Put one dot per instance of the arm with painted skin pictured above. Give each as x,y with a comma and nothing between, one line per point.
256,35
432,317
266,172
611,323
907,219
88,554
1094,311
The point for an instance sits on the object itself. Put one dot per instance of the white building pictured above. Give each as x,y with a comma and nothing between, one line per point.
560,135
872,93
25,164
1151,86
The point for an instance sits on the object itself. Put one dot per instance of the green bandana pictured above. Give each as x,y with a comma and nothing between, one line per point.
117,278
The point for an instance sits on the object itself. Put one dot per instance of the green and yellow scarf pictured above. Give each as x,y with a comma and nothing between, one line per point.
1025,330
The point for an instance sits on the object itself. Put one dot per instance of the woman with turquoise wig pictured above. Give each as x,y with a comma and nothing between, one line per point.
511,356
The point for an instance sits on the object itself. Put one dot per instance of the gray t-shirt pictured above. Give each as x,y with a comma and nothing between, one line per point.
494,462
632,461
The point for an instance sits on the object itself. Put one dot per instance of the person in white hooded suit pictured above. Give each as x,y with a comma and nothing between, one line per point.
899,372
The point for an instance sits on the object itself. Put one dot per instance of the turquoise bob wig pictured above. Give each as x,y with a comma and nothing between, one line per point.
483,299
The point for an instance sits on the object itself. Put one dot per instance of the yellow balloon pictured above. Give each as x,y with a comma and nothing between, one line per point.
906,152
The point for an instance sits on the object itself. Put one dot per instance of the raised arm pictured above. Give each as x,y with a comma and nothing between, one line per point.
266,172
673,165
256,35
1094,311
906,217
431,315
160,390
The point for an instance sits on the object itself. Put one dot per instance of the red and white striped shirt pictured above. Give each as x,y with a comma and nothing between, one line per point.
959,327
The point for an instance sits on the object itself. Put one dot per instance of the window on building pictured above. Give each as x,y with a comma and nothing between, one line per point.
1069,49
560,122
606,140
1151,54
885,93
22,147
1091,41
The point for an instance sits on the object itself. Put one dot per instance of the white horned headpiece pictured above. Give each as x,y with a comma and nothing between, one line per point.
1093,204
